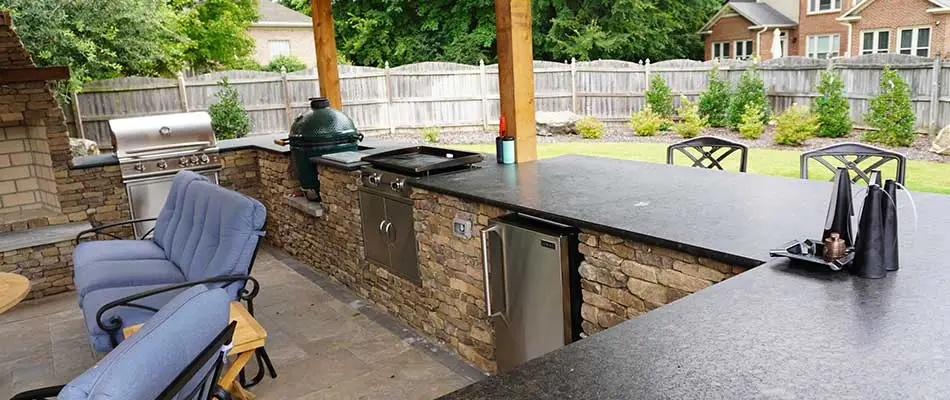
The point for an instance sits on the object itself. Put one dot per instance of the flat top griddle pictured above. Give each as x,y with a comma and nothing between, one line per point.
422,160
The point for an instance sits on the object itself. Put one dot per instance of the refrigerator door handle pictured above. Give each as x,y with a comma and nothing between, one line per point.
486,264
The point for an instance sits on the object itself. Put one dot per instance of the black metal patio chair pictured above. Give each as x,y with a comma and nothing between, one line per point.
859,159
709,152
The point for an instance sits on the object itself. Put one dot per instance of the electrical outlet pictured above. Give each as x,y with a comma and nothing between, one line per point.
462,228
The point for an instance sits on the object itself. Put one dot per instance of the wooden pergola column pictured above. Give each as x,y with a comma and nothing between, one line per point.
325,41
516,74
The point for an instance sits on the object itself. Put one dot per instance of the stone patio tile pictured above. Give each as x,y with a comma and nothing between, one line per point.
316,373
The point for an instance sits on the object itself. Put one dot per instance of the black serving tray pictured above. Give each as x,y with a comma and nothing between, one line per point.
422,159
810,251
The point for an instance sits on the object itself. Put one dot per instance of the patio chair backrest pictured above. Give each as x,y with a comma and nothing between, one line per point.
859,159
708,152
154,358
217,233
164,228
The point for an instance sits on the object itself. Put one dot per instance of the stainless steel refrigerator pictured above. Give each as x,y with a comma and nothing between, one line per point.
533,290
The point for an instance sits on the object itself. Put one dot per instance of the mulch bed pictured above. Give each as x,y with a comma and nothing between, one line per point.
920,150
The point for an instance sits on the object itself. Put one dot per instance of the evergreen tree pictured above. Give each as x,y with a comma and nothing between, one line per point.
660,97
891,113
750,90
831,107
714,101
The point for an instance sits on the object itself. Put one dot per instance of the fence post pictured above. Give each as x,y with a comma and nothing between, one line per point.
389,99
646,71
182,92
935,99
288,102
574,85
77,116
483,76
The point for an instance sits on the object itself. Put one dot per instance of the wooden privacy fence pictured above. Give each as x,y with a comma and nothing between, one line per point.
466,96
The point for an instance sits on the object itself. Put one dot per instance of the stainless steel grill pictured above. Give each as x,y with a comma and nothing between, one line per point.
151,150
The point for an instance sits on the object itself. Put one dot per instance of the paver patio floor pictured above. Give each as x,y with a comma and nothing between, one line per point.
325,342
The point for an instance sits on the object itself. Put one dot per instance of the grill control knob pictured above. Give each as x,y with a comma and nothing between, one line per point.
398,184
162,164
374,179
204,159
193,160
139,167
183,162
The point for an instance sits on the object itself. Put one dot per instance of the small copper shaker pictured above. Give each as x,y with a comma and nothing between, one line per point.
834,247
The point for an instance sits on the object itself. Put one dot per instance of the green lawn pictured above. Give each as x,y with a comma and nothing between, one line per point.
921,175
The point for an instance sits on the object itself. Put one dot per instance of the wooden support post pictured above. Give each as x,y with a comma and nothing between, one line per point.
77,116
516,74
324,38
935,100
288,101
183,93
389,99
483,87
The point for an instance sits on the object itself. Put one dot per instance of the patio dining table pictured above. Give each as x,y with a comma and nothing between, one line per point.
13,289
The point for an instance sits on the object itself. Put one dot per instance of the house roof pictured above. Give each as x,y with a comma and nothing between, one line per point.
272,14
759,14
854,13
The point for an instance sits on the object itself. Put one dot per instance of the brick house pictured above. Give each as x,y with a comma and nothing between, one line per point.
282,31
828,28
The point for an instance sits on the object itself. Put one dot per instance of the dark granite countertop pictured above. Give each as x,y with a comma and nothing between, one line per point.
732,217
778,331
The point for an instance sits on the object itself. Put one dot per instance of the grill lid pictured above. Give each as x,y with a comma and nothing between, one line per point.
162,134
322,124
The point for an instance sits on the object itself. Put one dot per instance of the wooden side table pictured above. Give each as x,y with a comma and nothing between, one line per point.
13,289
249,336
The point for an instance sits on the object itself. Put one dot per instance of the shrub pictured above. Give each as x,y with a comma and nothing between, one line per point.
751,125
750,90
590,128
290,62
891,114
831,107
431,134
245,64
647,122
659,96
795,125
714,101
691,124
228,118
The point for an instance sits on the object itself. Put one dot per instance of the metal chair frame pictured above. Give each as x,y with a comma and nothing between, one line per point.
708,147
851,156
209,382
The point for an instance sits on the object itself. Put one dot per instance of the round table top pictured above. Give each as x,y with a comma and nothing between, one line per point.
13,288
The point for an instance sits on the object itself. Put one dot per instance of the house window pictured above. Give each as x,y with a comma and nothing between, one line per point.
873,42
743,49
279,48
824,46
915,41
720,50
815,6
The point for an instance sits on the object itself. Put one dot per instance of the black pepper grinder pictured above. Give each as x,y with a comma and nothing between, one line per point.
891,259
869,245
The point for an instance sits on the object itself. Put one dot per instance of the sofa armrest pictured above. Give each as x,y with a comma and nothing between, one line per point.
99,228
115,324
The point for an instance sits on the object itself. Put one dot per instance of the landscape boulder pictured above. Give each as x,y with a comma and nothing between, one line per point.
83,147
550,123
941,144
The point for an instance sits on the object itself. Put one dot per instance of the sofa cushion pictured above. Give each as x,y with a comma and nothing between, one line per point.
217,232
143,366
110,274
110,250
130,315
167,220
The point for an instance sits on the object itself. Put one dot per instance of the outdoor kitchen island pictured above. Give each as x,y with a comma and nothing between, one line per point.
776,331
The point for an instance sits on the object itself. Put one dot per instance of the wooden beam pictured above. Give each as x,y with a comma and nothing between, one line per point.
325,41
516,74
32,74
